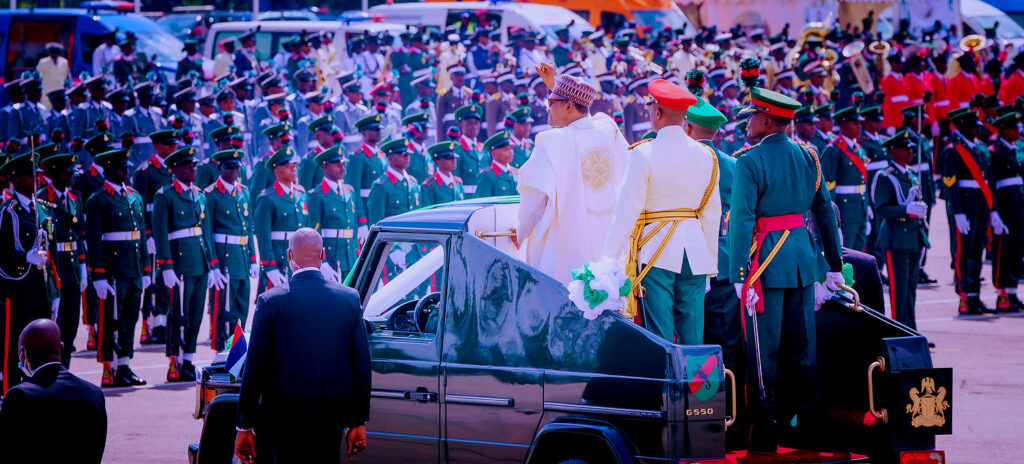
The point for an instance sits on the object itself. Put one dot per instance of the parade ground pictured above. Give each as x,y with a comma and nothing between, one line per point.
154,423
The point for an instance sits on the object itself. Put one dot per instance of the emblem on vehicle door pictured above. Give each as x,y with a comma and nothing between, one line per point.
702,375
928,405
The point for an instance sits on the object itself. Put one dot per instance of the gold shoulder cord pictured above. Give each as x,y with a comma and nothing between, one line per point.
817,163
637,144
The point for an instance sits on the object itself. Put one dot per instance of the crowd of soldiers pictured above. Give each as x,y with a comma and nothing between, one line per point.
128,199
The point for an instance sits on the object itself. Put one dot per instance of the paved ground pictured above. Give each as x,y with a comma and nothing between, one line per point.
154,424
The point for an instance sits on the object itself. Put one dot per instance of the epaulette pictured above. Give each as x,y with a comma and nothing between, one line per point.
210,188
347,188
163,189
157,110
107,105
737,153
16,106
637,144
129,189
145,165
129,112
430,181
411,179
458,180
809,147
290,97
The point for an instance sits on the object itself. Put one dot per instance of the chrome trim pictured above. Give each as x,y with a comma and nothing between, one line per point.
481,400
389,394
569,407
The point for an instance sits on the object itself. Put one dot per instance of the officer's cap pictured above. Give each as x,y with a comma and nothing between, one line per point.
184,155
18,164
98,144
913,111
164,137
56,94
225,94
144,87
520,115
345,78
369,123
228,158
469,111
823,111
242,83
871,113
315,96
649,135
55,162
850,113
335,154
275,130
443,150
395,147
224,132
116,157
425,80
805,114
902,139
322,123
275,99
498,140
964,117
773,103
1007,121
353,87
206,99
44,151
281,157
705,115
185,94
418,117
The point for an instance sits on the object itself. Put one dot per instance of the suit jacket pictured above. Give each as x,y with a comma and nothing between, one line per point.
867,280
307,370
67,408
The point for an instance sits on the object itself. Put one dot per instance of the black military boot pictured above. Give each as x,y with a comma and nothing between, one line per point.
923,279
1015,304
187,373
976,306
158,335
126,378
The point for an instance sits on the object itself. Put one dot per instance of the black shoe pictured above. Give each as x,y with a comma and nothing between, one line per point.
158,335
187,372
927,278
124,377
931,345
1015,304
976,306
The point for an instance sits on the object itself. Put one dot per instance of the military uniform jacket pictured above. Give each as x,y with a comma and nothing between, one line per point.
1005,178
539,113
435,191
27,119
775,178
431,110
87,182
262,178
924,170
278,210
189,64
151,176
309,171
333,214
421,166
897,231
495,109
62,218
471,159
390,196
12,258
726,169
365,166
57,120
231,223
637,121
84,117
116,236
181,230
733,142
820,140
447,103
496,181
963,193
521,150
843,167
877,156
142,122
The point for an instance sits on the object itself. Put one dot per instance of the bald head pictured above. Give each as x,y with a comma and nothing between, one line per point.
40,343
305,249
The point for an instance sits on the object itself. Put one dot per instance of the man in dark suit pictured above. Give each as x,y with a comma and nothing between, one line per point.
51,404
307,371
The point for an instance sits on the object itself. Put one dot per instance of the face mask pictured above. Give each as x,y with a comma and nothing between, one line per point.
24,367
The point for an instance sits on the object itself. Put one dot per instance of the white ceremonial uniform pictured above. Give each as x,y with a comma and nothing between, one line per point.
670,172
569,188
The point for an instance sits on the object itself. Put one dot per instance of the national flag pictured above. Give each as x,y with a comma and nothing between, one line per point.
236,352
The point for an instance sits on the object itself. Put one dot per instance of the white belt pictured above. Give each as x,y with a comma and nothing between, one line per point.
149,207
185,233
923,167
942,103
448,117
73,246
876,165
365,193
641,126
231,239
968,183
1007,182
281,235
355,138
468,189
336,233
850,189
143,139
120,236
899,98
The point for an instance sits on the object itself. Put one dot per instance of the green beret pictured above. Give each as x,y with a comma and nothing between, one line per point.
469,111
498,140
418,117
182,156
323,122
228,157
281,157
395,147
164,137
335,154
705,115
275,130
443,150
368,123
224,131
902,139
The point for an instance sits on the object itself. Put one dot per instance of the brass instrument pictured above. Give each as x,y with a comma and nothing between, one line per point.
647,58
974,43
880,49
816,29
855,52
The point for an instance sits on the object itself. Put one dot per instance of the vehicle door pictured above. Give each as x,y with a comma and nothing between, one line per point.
27,39
402,286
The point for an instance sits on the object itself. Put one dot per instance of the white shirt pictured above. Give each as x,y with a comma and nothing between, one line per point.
104,55
849,142
26,202
654,182
305,269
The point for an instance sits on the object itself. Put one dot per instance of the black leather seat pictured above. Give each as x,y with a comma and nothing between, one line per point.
217,443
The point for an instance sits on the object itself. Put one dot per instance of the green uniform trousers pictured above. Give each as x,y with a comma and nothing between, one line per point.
119,319
674,304
229,307
855,234
903,268
183,322
785,353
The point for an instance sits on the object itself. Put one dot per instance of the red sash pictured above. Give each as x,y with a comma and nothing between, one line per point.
856,160
762,226
975,170
990,127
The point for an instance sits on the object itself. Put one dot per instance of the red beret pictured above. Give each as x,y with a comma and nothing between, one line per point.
671,95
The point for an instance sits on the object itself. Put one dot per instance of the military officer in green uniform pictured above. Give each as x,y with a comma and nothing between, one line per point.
119,265
332,212
228,206
184,257
721,307
775,183
396,191
1005,175
280,211
498,179
209,170
365,166
262,176
522,144
149,178
472,156
822,127
844,167
420,164
902,235
64,219
309,171
444,186
876,159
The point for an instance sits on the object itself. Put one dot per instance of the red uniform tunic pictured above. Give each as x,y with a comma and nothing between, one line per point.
940,104
1013,87
962,87
894,87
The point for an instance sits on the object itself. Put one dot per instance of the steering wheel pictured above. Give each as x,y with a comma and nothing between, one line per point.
423,309
400,319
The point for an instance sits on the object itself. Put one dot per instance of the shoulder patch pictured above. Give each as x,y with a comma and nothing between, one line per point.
637,144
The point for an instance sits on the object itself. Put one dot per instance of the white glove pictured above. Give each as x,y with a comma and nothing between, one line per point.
170,278
821,295
254,270
54,307
871,214
84,282
739,290
36,256
397,257
361,233
102,288
962,224
275,277
867,228
998,228
216,279
917,209
329,273
146,282
707,285
833,279
151,246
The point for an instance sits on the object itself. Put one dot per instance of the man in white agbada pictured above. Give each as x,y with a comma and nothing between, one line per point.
570,184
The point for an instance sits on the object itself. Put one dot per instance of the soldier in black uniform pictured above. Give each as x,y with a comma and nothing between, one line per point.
1005,178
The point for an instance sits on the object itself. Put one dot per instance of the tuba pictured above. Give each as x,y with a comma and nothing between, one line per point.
880,50
816,29
854,52
974,43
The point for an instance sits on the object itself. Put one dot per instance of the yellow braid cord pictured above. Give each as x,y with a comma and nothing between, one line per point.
767,260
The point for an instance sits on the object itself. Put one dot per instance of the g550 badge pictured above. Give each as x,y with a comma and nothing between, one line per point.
702,374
